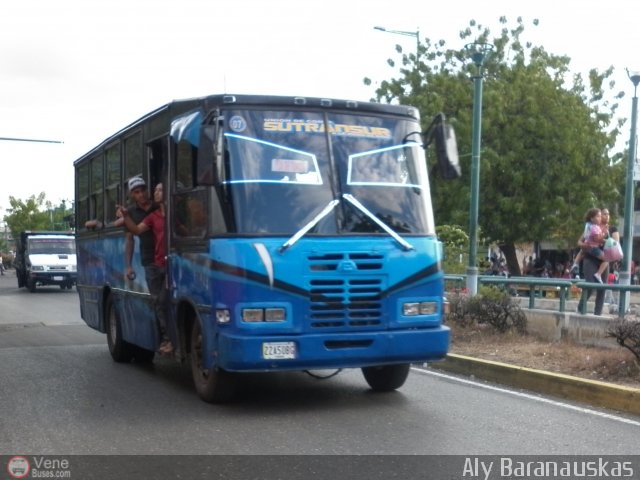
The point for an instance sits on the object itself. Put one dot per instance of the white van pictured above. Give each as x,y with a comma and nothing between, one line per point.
46,258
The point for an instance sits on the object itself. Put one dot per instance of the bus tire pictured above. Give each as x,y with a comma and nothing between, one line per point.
142,355
385,378
212,385
121,351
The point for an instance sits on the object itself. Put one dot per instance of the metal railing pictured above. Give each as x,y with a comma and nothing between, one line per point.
537,287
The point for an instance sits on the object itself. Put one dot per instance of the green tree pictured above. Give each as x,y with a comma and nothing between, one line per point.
455,243
60,216
546,135
36,213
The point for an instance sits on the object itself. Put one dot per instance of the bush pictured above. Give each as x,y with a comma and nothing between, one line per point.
627,333
491,306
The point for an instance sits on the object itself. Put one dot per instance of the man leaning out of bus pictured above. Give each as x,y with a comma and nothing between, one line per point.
156,272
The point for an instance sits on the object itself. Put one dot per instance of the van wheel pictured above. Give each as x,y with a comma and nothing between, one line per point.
214,385
31,285
386,378
121,351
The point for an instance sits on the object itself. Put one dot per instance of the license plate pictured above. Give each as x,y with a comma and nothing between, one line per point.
58,278
278,350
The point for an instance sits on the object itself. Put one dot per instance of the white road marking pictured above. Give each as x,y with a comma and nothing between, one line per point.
529,396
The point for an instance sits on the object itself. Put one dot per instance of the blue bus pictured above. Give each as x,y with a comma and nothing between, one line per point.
300,235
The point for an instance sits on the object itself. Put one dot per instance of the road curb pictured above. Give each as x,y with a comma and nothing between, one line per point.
591,392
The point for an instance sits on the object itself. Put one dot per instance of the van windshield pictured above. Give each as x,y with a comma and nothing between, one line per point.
52,246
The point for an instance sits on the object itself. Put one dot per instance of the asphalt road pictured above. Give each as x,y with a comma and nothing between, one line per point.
62,394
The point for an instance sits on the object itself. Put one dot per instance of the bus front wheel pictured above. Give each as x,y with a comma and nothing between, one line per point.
142,355
121,351
385,378
214,385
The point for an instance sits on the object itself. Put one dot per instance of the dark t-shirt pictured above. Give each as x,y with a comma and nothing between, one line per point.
147,246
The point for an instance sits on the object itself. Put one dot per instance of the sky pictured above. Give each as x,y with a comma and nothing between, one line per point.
77,71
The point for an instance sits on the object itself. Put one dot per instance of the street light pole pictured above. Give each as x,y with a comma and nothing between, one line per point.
478,53
406,33
625,274
14,139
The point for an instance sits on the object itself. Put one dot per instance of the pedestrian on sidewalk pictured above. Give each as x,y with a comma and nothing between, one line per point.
591,243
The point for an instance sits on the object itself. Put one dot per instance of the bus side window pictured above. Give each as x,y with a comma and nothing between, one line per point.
185,163
206,156
190,216
113,189
82,195
96,187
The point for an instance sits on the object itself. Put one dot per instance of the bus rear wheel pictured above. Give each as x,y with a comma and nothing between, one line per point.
385,378
121,351
213,385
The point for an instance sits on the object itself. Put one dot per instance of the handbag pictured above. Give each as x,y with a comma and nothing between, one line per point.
612,250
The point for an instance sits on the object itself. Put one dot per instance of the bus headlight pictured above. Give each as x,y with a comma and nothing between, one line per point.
428,308
274,314
269,314
411,309
252,315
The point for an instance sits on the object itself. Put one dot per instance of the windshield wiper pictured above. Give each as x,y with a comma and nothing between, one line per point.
300,233
351,199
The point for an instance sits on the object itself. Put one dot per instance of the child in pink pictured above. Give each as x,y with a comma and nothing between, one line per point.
593,237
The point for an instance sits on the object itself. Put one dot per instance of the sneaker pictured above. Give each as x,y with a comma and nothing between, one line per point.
597,277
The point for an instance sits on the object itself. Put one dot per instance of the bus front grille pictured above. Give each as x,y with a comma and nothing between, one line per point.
340,296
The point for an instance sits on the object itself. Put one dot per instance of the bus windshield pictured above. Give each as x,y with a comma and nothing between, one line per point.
286,167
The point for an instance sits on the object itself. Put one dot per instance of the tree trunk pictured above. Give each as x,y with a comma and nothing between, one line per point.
509,251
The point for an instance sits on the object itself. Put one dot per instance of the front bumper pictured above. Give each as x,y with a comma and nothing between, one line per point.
54,278
354,350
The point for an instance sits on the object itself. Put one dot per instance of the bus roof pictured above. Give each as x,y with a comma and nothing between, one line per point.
220,100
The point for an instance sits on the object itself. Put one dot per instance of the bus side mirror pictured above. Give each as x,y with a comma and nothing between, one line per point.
446,146
446,150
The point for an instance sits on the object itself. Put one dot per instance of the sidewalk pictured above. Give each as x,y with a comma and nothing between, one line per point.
590,392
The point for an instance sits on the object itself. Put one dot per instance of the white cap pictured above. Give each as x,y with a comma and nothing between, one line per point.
135,182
